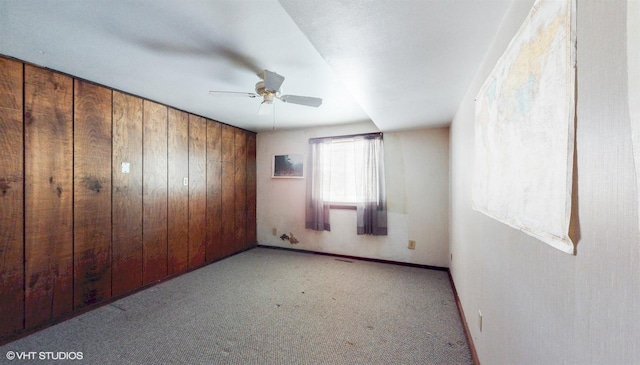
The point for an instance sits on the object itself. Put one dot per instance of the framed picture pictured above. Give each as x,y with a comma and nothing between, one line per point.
288,166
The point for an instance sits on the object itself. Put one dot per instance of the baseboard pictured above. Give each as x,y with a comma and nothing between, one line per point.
472,347
356,258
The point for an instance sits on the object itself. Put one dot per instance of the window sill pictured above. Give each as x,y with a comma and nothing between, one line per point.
347,206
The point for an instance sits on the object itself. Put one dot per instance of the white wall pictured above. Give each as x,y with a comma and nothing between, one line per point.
417,175
539,305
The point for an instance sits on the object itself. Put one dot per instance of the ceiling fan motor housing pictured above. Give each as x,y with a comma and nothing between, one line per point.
267,95
260,89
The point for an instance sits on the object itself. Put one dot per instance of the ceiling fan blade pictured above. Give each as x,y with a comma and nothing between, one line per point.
237,58
233,93
272,81
204,49
266,107
302,100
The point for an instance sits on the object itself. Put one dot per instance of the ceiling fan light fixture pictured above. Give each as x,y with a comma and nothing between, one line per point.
266,107
268,97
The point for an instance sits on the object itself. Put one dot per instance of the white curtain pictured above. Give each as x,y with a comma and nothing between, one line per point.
318,180
359,161
370,187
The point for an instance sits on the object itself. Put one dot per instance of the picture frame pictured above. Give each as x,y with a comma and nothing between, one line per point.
287,166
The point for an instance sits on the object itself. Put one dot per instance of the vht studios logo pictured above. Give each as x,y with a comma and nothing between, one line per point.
43,355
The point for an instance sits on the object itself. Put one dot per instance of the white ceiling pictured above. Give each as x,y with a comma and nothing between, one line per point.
402,64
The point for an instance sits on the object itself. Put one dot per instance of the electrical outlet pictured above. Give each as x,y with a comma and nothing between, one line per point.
274,231
480,319
412,245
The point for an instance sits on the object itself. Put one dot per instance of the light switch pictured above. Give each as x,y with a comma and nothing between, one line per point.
185,181
125,167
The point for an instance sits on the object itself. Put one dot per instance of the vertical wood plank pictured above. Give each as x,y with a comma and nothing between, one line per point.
214,249
178,209
251,225
214,141
227,148
48,195
228,208
154,192
197,190
127,194
92,193
11,198
240,192
228,190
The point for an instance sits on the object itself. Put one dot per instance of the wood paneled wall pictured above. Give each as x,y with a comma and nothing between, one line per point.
214,246
48,219
251,227
154,191
126,215
197,190
102,193
11,197
91,193
178,208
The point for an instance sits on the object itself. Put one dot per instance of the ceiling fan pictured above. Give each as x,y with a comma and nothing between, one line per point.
269,89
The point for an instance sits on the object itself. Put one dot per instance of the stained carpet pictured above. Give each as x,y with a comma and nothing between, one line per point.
267,306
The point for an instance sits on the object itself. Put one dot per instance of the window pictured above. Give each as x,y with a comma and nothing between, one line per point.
347,171
342,164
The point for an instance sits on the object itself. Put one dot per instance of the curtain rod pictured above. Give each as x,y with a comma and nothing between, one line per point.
319,139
